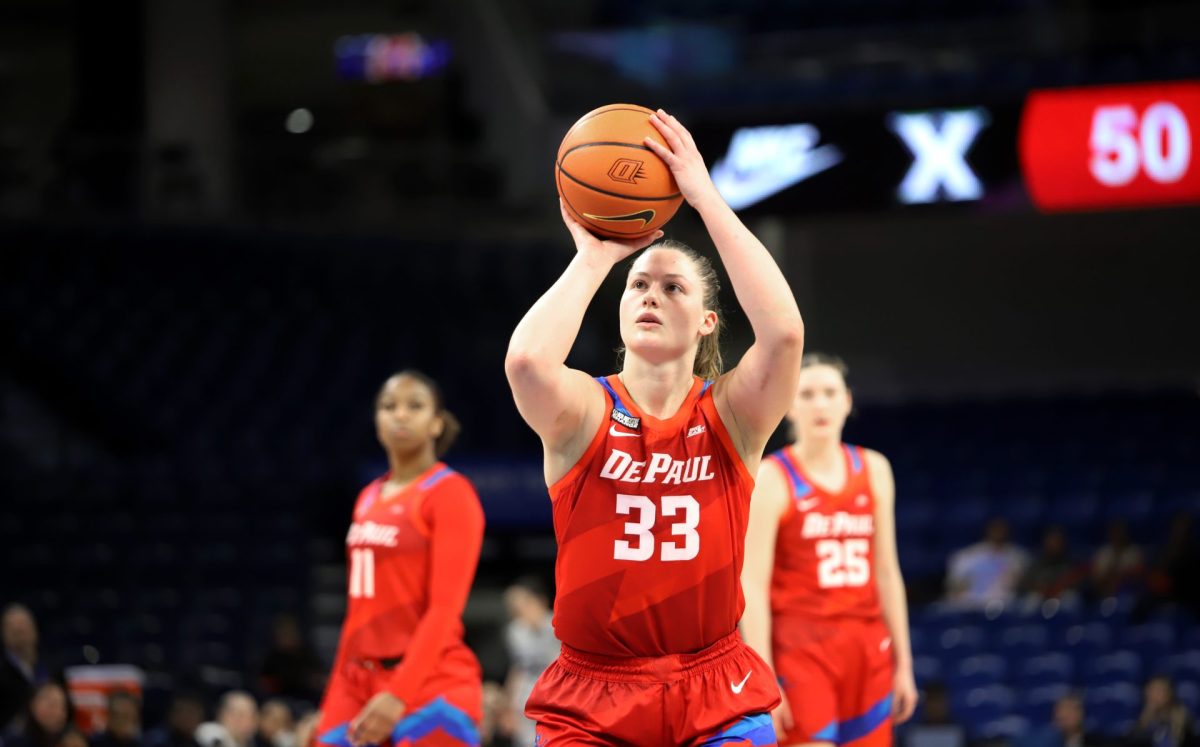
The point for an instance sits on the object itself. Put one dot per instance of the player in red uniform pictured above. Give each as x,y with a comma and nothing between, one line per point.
824,596
403,675
650,474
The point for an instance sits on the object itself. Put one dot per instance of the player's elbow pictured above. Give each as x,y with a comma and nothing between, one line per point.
792,333
522,365
787,336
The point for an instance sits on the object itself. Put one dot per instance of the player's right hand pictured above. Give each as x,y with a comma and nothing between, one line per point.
610,251
781,717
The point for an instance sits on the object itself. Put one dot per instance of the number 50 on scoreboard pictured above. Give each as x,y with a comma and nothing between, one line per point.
1112,146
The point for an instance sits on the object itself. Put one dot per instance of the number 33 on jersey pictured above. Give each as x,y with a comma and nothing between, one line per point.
650,524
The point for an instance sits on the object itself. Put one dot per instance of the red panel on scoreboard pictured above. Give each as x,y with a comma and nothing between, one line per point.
1112,146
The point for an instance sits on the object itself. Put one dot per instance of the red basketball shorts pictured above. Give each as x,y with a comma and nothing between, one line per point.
721,695
837,676
444,714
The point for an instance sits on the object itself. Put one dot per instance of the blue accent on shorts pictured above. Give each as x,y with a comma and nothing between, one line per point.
437,714
436,477
857,727
800,488
755,728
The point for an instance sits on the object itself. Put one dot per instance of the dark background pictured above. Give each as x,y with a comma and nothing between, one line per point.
199,304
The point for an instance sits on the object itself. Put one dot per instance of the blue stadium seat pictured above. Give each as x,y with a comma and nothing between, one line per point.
1024,640
1151,639
962,641
982,705
1046,669
1179,665
1188,693
979,671
1086,639
926,669
1007,728
1037,701
1118,666
1112,707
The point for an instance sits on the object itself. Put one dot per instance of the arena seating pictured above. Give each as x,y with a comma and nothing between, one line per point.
240,368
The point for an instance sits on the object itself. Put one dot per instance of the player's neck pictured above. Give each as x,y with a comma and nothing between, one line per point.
403,468
658,389
818,452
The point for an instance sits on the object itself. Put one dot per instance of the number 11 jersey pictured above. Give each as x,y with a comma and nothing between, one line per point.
651,527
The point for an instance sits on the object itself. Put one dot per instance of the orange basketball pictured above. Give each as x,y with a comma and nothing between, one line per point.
610,181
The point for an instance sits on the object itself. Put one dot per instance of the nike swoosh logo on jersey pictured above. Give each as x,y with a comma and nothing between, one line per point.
808,504
737,689
612,431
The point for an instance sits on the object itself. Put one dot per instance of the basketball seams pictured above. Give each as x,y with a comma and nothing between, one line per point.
618,143
589,224
605,110
611,108
618,195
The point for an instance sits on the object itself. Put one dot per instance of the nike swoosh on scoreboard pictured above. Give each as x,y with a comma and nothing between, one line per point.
645,216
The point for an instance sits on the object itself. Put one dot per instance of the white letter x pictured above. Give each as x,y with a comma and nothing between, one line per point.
939,142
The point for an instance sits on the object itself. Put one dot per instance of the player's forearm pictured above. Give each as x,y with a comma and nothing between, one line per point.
894,606
434,632
761,289
546,333
756,626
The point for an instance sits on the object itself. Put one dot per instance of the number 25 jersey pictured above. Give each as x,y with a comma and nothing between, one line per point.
651,527
825,548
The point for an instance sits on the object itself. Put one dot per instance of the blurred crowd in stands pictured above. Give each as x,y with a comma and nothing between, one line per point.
36,707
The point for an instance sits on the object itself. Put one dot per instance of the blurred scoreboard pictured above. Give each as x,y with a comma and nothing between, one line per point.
1114,146
1067,149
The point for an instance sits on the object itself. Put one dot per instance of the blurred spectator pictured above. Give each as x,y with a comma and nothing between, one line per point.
72,737
276,726
1172,577
1053,573
532,647
934,725
45,721
183,718
496,727
1165,722
236,724
1067,729
22,668
987,571
1117,564
290,668
306,727
124,722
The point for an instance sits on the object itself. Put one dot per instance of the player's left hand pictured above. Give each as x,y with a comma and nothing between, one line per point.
375,722
904,695
682,157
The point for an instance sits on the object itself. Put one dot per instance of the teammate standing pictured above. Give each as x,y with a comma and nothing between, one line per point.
824,596
403,675
650,473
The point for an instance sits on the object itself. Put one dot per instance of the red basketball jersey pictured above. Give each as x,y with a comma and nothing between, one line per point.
388,553
825,548
651,525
